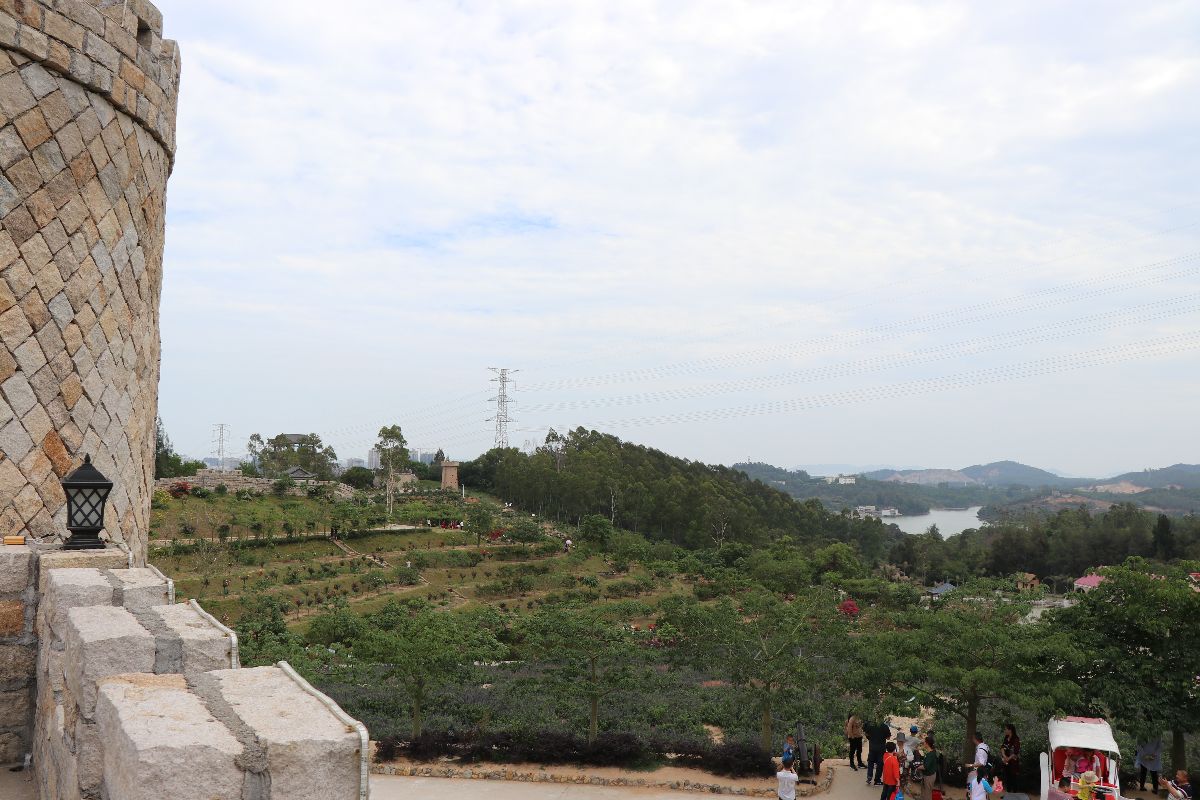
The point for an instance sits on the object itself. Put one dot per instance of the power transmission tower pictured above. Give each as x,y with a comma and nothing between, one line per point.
220,434
502,400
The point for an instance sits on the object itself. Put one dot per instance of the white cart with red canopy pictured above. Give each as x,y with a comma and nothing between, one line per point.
1079,745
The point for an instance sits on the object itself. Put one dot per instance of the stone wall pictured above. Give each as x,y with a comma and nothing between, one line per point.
18,648
140,697
87,138
235,481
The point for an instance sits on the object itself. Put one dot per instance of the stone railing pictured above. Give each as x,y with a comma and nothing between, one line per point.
235,481
140,697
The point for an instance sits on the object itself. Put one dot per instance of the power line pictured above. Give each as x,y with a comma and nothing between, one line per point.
1166,345
502,400
1038,300
1050,332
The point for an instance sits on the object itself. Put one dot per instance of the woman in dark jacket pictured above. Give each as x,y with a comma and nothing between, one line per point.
1010,756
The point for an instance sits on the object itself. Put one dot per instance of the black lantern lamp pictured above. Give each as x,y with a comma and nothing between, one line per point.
87,491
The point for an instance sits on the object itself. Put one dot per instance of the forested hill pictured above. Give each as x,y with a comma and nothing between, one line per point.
1013,473
1186,476
660,496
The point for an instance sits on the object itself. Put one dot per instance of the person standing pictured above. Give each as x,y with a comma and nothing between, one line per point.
929,769
786,781
983,753
1010,756
891,772
878,734
854,737
1149,759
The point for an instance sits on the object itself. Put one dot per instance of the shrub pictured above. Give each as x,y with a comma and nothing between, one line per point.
201,492
179,489
406,577
614,750
160,498
222,489
430,745
387,749
739,760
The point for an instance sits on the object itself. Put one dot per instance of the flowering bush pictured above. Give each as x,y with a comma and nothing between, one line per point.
849,608
179,489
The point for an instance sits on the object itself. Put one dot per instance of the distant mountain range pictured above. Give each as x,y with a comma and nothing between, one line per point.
1013,473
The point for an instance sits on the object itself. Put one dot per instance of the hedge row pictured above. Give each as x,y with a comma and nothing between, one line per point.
734,759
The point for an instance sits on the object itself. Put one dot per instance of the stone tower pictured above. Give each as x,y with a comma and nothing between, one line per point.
88,93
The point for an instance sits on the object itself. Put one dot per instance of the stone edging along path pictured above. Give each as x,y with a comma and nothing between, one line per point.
501,773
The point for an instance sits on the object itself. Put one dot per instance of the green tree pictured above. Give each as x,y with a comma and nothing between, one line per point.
971,647
1140,648
592,650
765,646
480,521
422,649
393,456
596,530
360,478
168,463
276,456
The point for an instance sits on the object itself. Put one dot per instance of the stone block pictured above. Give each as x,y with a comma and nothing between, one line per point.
12,748
311,754
12,618
140,588
161,741
102,641
108,558
16,568
69,588
187,642
14,708
16,663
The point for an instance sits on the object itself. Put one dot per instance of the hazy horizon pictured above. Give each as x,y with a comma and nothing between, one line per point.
930,233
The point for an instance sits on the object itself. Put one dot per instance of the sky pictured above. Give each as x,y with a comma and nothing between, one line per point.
913,234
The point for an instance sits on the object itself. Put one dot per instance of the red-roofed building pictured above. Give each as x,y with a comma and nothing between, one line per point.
1088,582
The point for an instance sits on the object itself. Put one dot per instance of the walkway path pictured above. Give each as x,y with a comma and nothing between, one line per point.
17,785
385,787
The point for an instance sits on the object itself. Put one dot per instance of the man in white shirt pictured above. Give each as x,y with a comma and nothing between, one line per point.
787,781
982,751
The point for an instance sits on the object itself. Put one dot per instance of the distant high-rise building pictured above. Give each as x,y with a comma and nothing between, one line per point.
351,463
373,459
421,456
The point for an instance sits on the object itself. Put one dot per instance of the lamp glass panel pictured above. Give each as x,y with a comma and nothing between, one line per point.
89,508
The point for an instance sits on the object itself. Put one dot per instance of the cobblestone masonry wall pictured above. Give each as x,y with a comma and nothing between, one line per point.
235,481
87,116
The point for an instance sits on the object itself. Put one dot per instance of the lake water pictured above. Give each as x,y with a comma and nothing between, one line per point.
950,521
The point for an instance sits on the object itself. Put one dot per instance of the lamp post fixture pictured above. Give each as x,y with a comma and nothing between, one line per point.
87,490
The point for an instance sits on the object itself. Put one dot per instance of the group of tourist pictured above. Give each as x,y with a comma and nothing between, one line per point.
912,761
908,758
